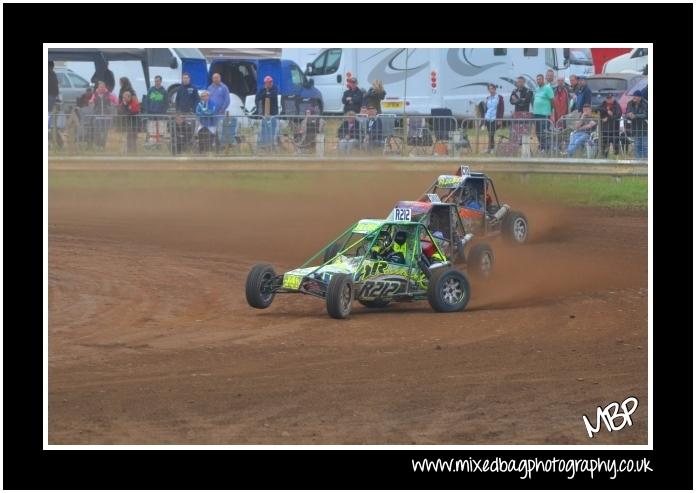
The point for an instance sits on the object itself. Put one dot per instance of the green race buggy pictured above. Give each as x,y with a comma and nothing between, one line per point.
375,262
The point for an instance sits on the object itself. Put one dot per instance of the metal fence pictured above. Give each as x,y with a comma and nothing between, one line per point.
82,132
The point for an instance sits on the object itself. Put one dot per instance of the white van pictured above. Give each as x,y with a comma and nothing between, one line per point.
633,62
170,63
419,79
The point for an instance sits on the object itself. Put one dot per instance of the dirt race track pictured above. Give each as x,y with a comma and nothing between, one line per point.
151,340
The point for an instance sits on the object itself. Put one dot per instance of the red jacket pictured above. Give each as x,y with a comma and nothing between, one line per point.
559,103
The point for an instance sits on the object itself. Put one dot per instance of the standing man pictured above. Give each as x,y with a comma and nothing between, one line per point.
637,115
187,95
494,112
542,111
584,94
352,97
560,103
573,93
550,77
267,106
521,97
610,115
53,91
156,104
219,95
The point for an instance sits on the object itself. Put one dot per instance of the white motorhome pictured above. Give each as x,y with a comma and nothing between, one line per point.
170,63
633,62
419,79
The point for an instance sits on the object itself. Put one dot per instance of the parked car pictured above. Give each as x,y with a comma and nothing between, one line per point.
620,85
71,87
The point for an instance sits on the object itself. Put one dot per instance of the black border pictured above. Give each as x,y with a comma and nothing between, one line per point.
26,465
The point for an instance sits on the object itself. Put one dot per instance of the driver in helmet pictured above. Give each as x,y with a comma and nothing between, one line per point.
391,251
471,198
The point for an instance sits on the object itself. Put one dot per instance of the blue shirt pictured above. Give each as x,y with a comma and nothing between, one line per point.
491,107
220,97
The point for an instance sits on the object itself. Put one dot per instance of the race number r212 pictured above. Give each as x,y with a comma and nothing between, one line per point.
402,214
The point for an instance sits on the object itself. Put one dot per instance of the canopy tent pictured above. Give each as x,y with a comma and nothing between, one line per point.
100,55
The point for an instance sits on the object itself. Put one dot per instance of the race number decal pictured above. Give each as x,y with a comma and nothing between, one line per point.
402,214
292,281
379,289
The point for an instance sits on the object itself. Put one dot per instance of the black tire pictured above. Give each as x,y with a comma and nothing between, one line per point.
331,251
171,94
516,228
374,303
258,278
481,260
339,296
448,290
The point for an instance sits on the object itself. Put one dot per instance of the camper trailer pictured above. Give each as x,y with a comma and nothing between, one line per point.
419,79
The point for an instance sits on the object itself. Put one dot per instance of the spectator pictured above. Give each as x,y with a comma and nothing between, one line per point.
219,95
573,92
267,106
102,73
373,130
53,91
494,112
637,116
186,96
125,85
352,97
207,123
129,108
182,131
348,133
309,128
542,112
267,98
521,97
583,130
560,102
157,102
584,94
550,77
157,98
610,114
101,103
375,95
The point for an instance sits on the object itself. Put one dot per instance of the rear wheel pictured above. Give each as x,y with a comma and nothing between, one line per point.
374,303
259,292
516,228
339,296
481,260
448,290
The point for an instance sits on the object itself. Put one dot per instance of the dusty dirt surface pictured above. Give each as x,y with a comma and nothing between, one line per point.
151,340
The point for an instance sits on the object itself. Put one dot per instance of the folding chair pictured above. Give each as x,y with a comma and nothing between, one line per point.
418,135
392,143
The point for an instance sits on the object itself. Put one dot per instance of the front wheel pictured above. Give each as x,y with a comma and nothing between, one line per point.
480,264
448,290
259,290
339,296
516,228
